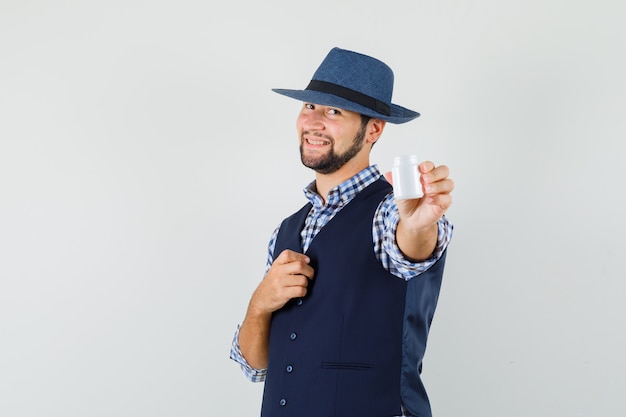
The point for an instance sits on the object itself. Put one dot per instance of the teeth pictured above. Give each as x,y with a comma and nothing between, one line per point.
316,142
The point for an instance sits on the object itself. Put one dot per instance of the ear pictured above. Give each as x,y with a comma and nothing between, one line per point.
375,128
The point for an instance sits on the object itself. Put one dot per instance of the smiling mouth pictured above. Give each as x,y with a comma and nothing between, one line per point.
315,140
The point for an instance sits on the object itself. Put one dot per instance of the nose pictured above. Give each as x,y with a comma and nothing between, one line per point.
311,120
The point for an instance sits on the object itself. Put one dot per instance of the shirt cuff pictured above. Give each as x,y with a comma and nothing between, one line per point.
409,269
254,375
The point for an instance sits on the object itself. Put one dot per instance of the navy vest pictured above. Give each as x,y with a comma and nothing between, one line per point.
354,345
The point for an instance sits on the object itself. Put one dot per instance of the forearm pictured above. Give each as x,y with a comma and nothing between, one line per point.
287,278
416,244
254,338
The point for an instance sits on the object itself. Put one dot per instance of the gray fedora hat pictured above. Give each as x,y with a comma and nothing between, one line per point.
356,82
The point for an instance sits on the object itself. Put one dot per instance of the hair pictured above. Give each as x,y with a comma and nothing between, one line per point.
364,120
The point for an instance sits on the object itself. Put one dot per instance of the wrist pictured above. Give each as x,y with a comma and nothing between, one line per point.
417,244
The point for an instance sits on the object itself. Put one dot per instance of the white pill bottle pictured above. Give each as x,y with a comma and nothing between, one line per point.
406,177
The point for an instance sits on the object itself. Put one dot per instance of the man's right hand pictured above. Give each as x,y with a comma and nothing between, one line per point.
287,278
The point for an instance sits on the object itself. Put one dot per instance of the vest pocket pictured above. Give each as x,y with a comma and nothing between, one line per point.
348,366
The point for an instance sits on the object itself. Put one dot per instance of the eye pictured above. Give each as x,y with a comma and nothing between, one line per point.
334,112
309,106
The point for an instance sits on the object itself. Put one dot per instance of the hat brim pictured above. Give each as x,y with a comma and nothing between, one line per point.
398,115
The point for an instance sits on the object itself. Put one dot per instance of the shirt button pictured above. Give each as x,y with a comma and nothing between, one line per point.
283,402
293,336
299,302
289,368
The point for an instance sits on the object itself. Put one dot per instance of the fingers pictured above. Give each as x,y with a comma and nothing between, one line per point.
288,256
437,186
435,178
444,186
431,173
287,278
295,286
426,166
442,201
294,263
287,287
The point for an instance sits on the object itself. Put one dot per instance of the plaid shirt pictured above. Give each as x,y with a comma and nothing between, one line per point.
383,232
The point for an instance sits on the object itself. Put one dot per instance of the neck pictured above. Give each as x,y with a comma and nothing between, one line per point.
326,182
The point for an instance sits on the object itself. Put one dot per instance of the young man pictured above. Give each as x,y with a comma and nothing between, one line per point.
338,325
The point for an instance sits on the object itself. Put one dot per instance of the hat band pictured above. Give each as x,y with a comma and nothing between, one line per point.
352,95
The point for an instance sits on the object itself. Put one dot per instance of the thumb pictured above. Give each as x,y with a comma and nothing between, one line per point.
389,177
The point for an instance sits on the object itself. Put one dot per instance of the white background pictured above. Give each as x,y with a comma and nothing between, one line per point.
144,163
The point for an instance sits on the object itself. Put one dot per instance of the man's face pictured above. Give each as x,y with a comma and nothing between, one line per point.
329,137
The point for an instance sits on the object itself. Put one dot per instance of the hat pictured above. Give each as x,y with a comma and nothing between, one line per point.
355,82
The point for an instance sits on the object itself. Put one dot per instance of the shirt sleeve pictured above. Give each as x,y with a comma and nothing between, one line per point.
270,248
387,249
254,375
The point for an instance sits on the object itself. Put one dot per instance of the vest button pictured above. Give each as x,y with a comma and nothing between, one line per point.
283,402
289,368
299,302
293,336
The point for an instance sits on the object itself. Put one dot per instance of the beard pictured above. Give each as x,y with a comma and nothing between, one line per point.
332,161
